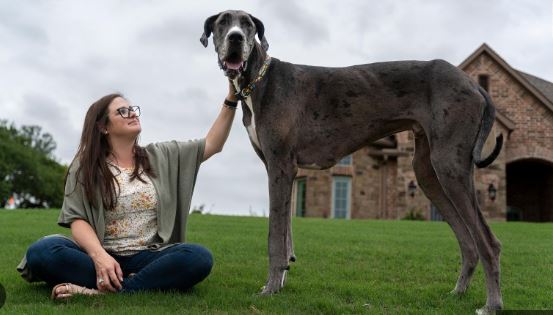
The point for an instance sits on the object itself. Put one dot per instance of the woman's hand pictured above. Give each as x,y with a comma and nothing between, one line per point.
231,92
108,272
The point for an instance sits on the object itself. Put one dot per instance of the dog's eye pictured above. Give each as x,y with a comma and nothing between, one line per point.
225,19
245,22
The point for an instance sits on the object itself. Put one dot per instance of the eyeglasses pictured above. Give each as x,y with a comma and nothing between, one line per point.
125,112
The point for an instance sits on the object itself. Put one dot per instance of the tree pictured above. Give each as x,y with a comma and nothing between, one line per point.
34,138
27,167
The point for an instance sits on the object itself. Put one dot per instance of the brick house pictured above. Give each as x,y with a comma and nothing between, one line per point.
378,181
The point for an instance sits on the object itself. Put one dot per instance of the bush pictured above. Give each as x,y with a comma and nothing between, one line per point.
415,215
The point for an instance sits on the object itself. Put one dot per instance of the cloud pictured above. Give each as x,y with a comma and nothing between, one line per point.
174,32
38,107
53,117
293,17
15,24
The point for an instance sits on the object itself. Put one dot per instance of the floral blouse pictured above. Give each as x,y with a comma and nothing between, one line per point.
132,225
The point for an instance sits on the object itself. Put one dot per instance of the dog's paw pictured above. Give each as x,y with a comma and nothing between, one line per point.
266,290
275,283
482,311
486,310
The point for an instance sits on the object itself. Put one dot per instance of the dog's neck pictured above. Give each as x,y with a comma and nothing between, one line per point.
255,62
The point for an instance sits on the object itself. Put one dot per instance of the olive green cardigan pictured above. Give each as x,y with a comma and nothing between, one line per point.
175,165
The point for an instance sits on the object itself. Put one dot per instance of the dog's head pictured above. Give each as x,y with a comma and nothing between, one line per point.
234,38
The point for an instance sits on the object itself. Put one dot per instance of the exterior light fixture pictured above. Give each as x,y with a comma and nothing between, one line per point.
492,192
412,189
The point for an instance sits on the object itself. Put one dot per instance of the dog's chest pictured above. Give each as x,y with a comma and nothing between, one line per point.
251,128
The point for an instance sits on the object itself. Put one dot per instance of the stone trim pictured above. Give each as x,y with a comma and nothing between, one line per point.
523,153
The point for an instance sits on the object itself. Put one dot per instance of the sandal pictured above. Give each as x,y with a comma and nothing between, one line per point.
70,290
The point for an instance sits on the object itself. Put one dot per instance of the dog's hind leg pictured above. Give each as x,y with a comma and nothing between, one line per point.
452,161
281,177
426,177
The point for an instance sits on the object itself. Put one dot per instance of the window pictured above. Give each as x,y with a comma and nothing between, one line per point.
484,81
300,197
341,197
435,214
346,161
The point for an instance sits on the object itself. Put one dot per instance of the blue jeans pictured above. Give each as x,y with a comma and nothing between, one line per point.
179,267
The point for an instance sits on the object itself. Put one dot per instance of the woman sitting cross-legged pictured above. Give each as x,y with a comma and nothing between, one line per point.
127,208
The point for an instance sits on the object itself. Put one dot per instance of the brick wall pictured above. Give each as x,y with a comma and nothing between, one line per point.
532,137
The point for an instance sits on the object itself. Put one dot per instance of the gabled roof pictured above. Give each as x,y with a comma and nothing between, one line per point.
541,89
545,87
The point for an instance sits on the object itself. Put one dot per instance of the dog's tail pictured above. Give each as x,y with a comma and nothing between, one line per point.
485,128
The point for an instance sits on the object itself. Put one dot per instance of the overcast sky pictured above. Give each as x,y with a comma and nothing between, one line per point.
57,57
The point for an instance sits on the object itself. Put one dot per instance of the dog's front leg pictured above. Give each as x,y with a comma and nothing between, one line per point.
281,177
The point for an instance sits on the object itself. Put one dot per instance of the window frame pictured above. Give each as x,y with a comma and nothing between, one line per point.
335,181
301,182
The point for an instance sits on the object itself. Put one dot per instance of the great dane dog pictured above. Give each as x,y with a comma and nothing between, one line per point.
310,117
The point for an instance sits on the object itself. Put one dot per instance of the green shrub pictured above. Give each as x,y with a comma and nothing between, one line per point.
414,215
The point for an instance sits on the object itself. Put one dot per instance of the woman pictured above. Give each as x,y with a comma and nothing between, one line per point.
127,207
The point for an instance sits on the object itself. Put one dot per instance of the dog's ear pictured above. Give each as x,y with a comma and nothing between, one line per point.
260,32
208,28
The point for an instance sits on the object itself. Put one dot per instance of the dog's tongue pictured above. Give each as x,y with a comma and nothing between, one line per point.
233,65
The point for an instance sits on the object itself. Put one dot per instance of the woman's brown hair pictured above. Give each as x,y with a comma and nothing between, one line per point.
93,171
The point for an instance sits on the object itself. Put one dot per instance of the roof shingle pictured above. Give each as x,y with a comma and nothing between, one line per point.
545,87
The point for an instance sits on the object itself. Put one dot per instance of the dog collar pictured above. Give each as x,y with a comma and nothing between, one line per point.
248,90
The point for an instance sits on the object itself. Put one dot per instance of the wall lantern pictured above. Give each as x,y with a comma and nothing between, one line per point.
412,188
492,192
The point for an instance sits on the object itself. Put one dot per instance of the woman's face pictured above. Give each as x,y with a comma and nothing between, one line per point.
123,122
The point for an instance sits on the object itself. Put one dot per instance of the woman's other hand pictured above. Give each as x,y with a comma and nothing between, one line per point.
108,272
107,268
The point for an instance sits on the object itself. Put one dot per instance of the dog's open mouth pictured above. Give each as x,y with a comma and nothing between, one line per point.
233,65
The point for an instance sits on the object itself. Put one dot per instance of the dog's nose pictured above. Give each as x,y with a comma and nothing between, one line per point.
235,37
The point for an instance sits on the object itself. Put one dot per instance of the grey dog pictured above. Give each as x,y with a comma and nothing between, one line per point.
311,117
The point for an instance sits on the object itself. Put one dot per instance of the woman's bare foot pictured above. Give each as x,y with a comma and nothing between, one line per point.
64,291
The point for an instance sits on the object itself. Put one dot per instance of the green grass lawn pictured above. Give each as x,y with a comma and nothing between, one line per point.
343,267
